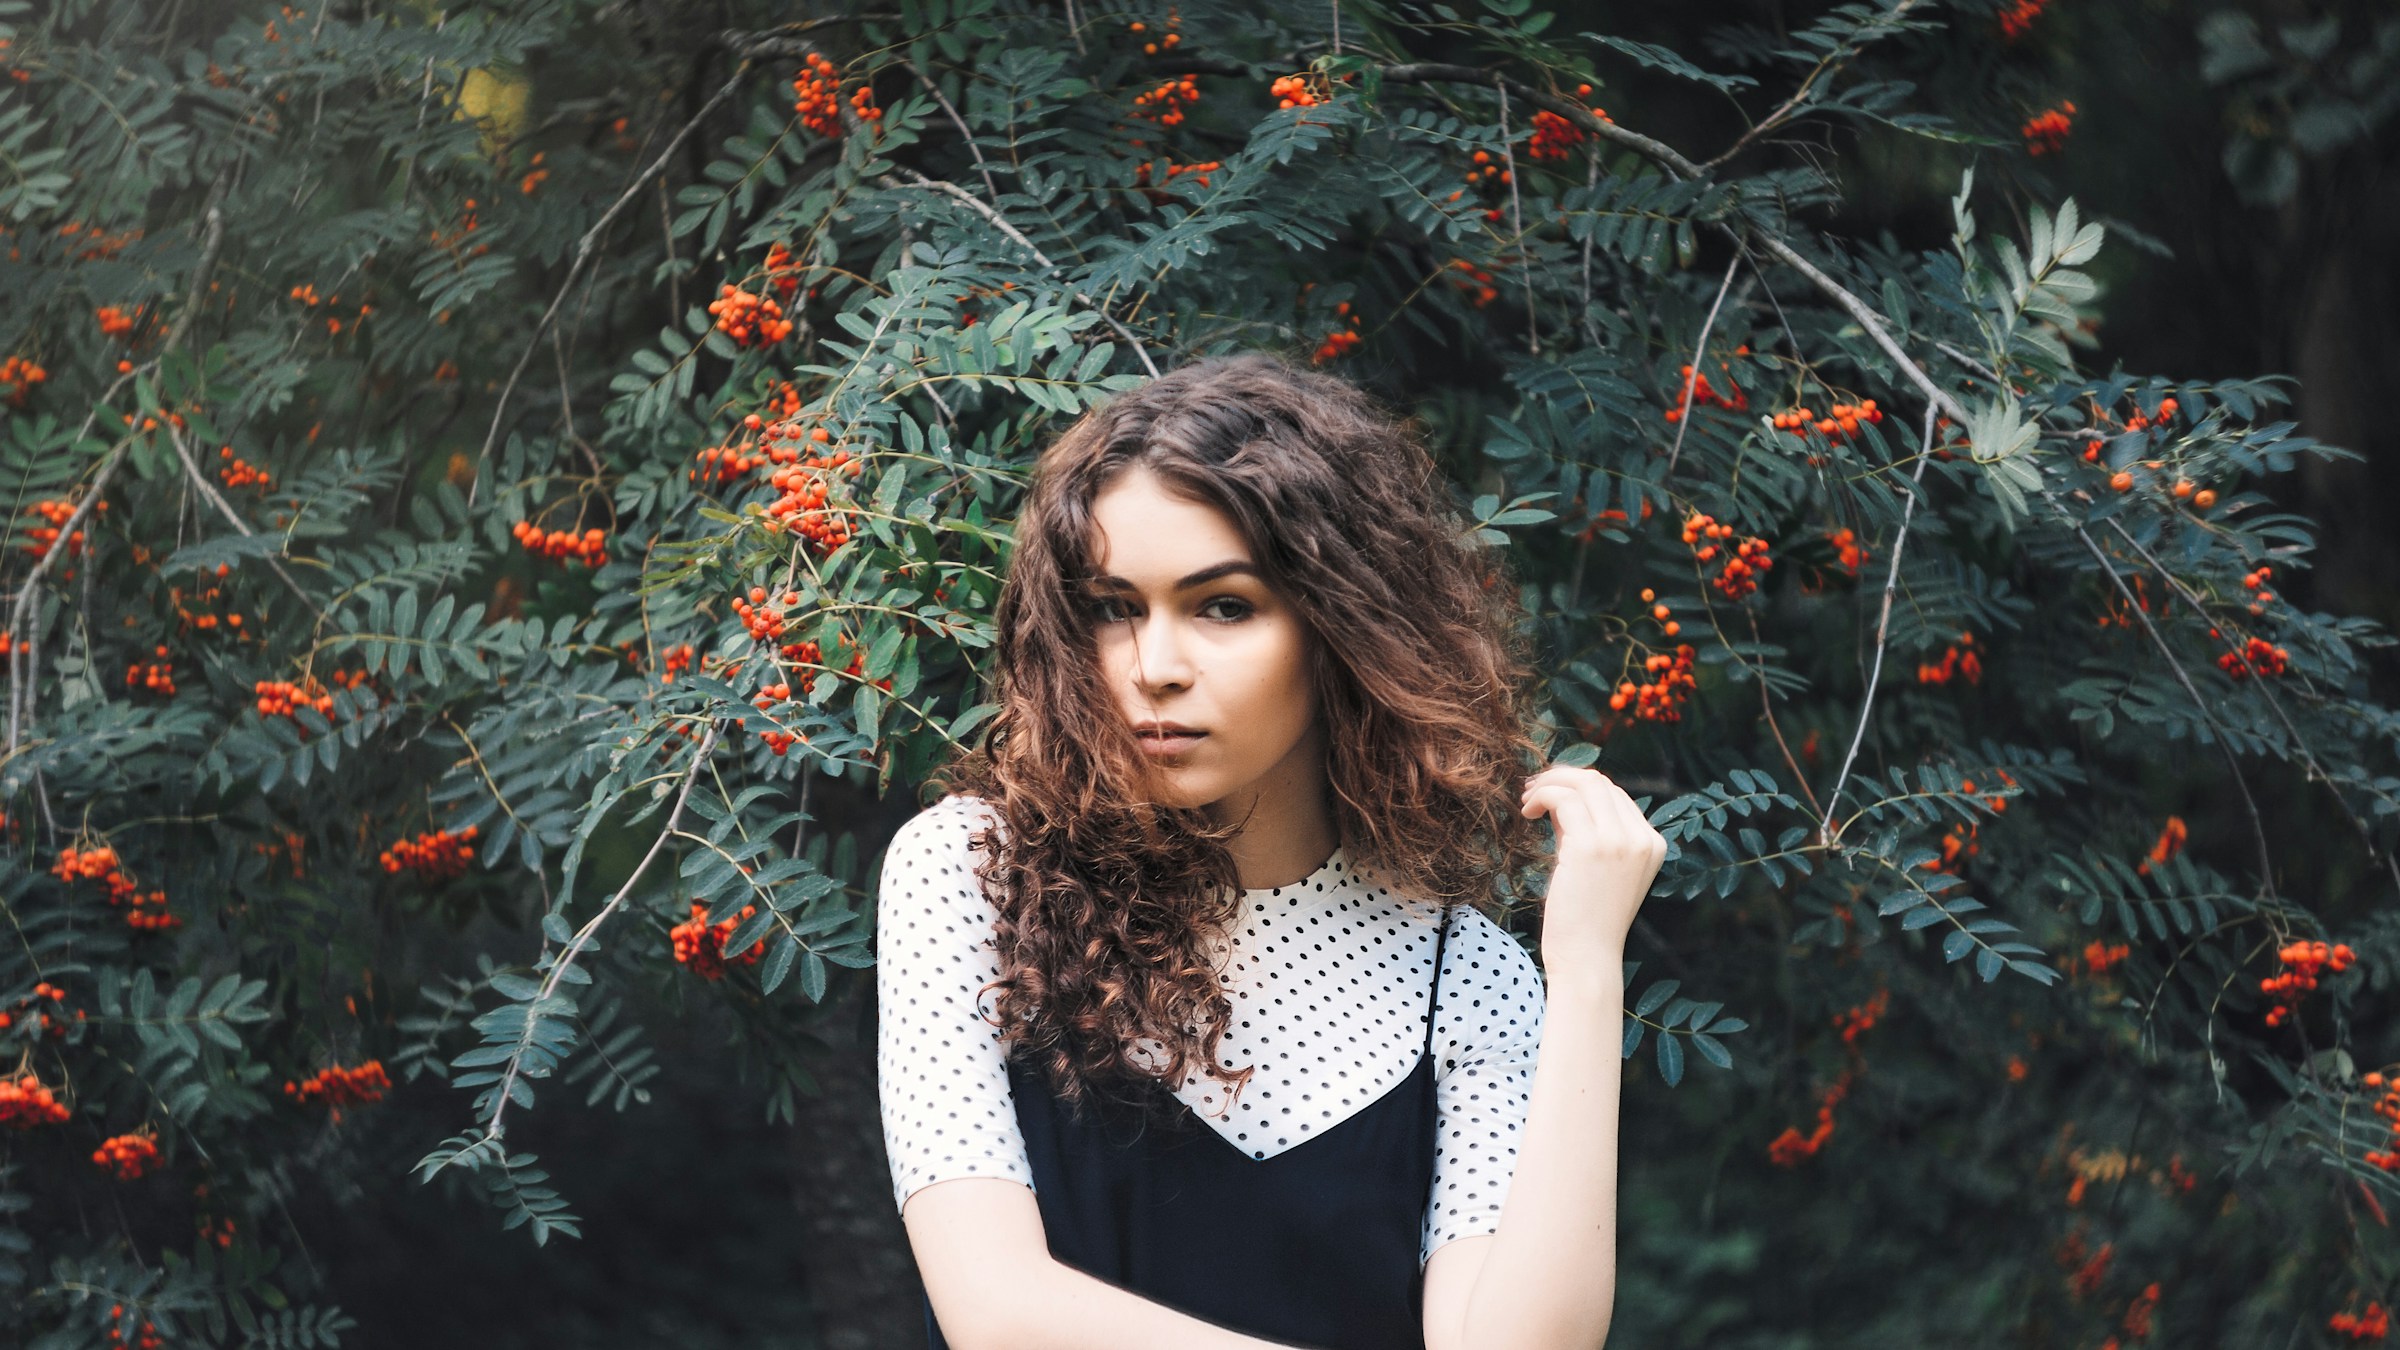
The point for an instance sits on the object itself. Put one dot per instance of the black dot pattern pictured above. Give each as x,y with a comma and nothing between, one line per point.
1328,980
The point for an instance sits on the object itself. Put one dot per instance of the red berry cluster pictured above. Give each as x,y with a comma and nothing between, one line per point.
434,855
43,1022
1958,660
281,698
116,322
1739,574
1486,168
1850,554
1299,91
764,621
588,546
235,473
800,505
1788,1148
768,696
1338,342
720,464
2046,132
819,87
1165,104
702,947
1474,281
1863,1017
2256,657
1701,393
783,272
2303,962
127,1155
1141,179
1555,137
1840,422
338,1087
2372,1325
2100,958
677,659
25,1103
146,911
750,320
2017,18
158,676
55,511
144,1338
1661,697
2169,843
18,376
1166,41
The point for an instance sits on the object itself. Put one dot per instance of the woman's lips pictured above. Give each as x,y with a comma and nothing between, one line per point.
1169,746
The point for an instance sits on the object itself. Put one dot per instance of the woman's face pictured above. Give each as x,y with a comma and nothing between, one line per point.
1188,634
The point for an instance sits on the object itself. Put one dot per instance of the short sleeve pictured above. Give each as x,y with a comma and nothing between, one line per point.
1489,1034
939,1068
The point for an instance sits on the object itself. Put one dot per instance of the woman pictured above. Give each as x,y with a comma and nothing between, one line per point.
1263,738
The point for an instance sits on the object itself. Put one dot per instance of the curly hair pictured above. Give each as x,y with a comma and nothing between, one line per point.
1107,900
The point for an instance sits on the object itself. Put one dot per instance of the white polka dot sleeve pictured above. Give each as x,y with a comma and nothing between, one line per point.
943,1082
1489,1033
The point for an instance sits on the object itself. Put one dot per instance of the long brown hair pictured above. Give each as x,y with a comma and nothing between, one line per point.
1106,900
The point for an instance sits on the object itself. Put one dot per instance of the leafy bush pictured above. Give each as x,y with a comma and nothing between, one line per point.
522,480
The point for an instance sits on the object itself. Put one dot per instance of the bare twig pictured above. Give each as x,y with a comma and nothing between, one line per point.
1684,419
964,134
199,477
1516,216
1832,62
1883,628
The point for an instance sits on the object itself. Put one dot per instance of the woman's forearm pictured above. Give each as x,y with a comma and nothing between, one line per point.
1550,1280
1062,1308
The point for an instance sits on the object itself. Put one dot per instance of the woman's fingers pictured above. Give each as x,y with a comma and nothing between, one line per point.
1578,826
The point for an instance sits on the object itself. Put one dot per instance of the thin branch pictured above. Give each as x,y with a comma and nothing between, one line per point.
1883,628
964,134
1683,420
1516,216
1832,62
199,479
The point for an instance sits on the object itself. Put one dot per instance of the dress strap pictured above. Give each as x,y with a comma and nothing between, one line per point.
1433,1005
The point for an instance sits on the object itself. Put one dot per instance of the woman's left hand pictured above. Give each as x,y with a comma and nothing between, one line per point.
1607,856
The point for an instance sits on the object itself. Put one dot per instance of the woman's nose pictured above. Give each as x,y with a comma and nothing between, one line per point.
1162,651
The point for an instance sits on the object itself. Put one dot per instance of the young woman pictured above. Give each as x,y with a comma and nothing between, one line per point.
1255,1071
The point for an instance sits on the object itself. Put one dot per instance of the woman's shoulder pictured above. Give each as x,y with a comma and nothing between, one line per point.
947,824
1480,943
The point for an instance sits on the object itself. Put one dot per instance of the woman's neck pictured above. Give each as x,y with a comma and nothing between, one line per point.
1287,831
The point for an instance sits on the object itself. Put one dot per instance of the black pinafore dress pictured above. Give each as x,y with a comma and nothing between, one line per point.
1316,1246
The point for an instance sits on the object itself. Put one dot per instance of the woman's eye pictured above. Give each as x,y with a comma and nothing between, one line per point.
1241,607
1102,609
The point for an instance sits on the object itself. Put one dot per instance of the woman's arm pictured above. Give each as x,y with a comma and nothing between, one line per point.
988,1271
1547,1279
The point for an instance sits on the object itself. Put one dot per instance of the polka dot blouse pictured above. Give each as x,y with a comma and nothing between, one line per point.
1328,979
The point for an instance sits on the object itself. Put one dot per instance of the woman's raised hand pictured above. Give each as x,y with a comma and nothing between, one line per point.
1607,857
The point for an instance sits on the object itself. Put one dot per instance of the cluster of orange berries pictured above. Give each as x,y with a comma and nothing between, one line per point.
1610,518
2100,957
2303,962
2388,1107
306,294
1789,1147
434,855
204,621
750,320
98,244
800,505
467,225
677,659
1661,697
1840,422
235,473
2372,1325
127,1155
282,698
820,106
724,463
145,1338
158,676
588,546
2017,18
1338,342
1475,281
702,947
1298,91
1849,554
338,1087
18,376
1958,660
1739,574
764,621
2256,657
2255,582
25,1103
94,864
2046,132
42,1020
1166,41
783,271
2170,843
1199,170
1484,168
1659,609
1697,388
534,174
55,510
1165,104
1555,137
768,696
1863,1017
116,322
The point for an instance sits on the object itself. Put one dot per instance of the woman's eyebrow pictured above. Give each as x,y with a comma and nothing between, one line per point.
1202,577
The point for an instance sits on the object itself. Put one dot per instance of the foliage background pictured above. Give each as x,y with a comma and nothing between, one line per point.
2006,1158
